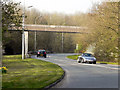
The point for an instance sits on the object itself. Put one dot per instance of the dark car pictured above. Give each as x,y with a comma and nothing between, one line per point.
41,53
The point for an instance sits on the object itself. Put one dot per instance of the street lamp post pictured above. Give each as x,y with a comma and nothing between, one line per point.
23,33
63,37
62,42
35,34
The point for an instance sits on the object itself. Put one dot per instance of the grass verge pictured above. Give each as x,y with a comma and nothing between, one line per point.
29,73
76,56
73,57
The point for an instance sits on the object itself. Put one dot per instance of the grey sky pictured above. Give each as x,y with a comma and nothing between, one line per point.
62,6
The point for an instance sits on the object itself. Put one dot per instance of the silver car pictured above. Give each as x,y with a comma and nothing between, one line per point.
86,58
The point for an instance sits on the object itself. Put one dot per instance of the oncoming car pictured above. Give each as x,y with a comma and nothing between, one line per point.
41,53
86,58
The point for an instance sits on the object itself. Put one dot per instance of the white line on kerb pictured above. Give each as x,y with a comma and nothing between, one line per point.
99,66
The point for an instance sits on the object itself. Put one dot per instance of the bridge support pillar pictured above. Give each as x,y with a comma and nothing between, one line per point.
62,42
26,43
35,41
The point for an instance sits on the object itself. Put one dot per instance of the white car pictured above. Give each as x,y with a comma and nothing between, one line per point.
86,58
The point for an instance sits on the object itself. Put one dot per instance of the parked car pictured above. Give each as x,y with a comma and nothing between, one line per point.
86,58
41,53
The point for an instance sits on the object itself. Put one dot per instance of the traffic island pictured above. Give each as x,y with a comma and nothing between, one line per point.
30,73
57,81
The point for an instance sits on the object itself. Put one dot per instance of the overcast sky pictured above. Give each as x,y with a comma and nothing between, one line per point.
61,6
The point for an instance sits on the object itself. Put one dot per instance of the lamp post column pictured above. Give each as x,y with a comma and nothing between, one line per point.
24,41
62,42
35,39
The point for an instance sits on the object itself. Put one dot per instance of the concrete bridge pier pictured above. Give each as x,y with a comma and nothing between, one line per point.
26,43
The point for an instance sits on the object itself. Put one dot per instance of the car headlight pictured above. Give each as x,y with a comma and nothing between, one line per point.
94,58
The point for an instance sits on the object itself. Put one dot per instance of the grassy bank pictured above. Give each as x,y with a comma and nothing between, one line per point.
73,57
76,56
29,73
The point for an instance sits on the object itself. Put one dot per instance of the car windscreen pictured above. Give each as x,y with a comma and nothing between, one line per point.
41,51
87,55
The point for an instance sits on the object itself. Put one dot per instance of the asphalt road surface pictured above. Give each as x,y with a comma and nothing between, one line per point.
81,75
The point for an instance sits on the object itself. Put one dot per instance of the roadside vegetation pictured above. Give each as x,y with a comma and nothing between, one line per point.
75,57
29,73
104,26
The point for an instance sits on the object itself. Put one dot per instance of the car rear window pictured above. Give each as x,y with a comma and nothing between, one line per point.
41,51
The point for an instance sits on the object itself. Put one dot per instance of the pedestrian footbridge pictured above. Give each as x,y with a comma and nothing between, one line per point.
53,28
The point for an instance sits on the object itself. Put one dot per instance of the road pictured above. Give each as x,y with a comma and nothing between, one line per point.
84,75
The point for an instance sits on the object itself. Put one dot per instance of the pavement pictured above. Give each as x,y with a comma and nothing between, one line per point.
81,75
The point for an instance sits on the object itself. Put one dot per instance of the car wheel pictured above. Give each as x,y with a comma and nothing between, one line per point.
45,56
90,62
79,61
82,60
94,62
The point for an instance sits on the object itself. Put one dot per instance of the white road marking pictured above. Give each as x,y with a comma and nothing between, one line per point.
96,65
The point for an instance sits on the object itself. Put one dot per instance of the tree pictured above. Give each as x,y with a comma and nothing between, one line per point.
105,30
10,15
